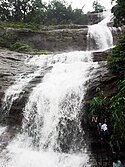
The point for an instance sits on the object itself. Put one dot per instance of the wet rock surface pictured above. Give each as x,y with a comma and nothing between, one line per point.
11,64
104,79
11,67
101,55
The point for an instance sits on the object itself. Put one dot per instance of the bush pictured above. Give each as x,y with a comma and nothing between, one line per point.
116,61
6,40
21,47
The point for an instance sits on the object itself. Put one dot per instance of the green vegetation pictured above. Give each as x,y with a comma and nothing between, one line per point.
114,107
116,60
7,40
97,105
97,7
37,13
21,47
11,42
119,12
18,25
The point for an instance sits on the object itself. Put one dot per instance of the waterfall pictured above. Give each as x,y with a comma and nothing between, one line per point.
14,91
100,34
51,133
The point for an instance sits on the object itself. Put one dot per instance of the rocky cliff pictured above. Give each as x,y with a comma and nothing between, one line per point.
58,39
12,64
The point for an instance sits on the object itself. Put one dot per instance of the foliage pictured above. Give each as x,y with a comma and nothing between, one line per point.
97,7
116,104
37,12
116,61
7,39
10,41
114,107
20,46
117,109
119,12
97,105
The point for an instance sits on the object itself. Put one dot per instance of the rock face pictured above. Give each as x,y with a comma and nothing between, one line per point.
58,39
55,40
11,65
104,79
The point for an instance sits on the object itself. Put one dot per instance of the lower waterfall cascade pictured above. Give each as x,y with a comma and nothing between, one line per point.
51,134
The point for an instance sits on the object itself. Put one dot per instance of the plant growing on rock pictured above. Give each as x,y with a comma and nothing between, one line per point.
97,105
20,46
117,109
116,61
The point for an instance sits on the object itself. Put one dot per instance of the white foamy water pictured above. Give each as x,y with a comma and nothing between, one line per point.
27,158
51,133
2,130
51,130
107,17
101,34
14,91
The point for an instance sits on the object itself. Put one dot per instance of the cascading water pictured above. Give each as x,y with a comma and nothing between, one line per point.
51,134
14,91
100,35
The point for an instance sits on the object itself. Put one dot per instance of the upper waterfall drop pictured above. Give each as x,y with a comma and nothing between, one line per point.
100,35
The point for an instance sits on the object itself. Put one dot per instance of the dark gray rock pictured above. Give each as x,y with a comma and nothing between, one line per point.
54,40
101,56
68,39
104,79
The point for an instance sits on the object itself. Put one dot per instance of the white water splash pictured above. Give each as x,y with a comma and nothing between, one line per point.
101,34
2,130
27,158
14,91
52,134
107,17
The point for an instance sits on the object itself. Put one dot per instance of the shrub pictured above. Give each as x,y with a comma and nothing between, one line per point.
20,46
116,61
7,39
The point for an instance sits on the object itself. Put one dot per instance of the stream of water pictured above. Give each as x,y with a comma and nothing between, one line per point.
51,134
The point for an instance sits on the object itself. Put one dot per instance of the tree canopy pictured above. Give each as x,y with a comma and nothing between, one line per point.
119,12
35,11
98,7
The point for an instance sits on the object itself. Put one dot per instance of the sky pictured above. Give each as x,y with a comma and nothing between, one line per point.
87,4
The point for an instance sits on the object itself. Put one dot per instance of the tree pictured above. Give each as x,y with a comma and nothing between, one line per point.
21,10
58,12
34,11
119,12
4,11
97,7
79,17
